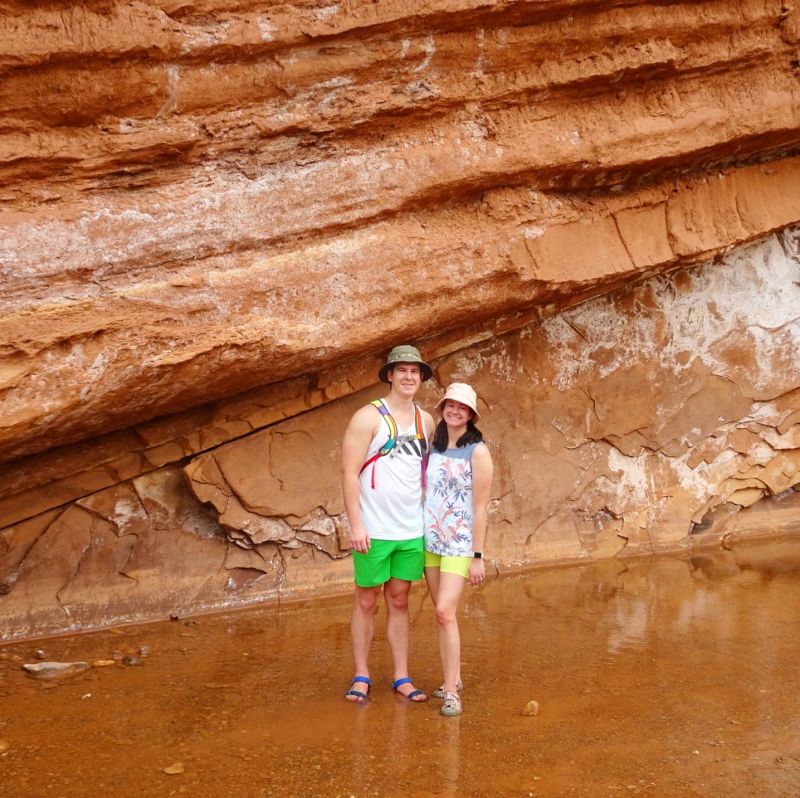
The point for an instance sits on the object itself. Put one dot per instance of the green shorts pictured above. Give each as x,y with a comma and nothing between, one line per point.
448,565
387,559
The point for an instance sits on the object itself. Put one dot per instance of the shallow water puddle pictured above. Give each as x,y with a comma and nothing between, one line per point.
654,677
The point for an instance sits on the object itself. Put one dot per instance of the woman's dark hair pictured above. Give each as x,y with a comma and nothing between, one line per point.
440,439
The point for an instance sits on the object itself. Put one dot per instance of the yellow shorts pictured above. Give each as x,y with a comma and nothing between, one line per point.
448,565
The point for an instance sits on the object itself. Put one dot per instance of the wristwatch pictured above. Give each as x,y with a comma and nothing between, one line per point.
478,555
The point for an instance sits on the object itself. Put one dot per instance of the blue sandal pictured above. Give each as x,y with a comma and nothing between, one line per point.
358,695
412,696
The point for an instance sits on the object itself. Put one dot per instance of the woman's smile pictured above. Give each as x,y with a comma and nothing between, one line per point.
455,413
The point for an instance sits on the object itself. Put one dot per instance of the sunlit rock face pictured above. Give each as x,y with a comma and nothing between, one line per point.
660,416
218,216
633,422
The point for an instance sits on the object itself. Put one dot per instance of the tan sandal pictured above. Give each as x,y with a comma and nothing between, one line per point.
451,705
440,691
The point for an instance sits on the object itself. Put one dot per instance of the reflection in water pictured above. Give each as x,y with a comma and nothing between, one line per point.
361,744
662,677
448,757
631,619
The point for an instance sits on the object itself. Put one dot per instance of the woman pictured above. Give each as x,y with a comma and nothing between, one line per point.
459,480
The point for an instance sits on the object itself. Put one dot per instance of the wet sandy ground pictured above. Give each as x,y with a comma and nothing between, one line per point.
660,677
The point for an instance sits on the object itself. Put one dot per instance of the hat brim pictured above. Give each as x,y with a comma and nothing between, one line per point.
427,371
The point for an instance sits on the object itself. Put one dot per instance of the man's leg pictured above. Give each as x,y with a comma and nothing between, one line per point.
371,570
395,593
362,628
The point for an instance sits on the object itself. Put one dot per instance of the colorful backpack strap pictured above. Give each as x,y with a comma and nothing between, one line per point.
392,440
423,438
390,422
420,436
390,443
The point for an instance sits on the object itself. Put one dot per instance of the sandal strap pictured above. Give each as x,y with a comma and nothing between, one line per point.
364,679
405,680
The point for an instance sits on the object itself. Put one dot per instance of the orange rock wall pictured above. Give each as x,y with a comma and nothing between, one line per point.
659,417
178,175
218,215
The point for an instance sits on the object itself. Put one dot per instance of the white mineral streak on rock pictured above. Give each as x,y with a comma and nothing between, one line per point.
632,483
533,231
320,522
503,366
334,83
158,492
756,289
173,77
125,510
724,298
699,482
203,38
429,48
480,63
624,340
324,13
95,371
477,132
469,364
266,28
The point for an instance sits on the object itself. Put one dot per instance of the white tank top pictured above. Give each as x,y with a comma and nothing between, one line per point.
392,510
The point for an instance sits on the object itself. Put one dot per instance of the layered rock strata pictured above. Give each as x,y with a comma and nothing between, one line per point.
199,197
661,416
217,216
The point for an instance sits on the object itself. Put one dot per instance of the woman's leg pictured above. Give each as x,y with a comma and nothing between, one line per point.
448,594
432,578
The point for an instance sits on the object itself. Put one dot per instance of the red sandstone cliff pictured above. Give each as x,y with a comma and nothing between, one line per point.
218,215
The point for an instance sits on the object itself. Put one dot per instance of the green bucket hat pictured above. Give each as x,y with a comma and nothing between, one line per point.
405,354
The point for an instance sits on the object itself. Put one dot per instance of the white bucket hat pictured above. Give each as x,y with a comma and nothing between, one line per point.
461,392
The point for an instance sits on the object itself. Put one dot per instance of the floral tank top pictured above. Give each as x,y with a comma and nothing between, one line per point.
448,502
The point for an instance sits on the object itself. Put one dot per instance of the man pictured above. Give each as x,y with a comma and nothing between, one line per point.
383,456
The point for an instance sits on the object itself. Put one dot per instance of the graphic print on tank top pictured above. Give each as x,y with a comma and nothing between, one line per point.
409,445
448,502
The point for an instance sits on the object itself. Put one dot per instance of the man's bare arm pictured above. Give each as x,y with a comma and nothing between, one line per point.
357,437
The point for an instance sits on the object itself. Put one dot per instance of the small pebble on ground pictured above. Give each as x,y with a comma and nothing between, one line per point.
54,670
531,708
